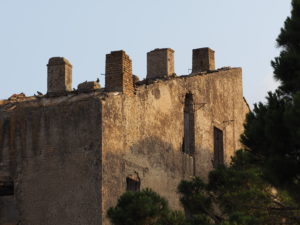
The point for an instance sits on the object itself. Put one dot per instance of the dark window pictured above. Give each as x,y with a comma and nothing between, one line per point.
188,145
132,185
218,147
6,187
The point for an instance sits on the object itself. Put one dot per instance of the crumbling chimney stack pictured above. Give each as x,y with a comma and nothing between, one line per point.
59,75
118,72
160,63
203,60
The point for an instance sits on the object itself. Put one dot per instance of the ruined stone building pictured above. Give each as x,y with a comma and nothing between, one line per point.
66,156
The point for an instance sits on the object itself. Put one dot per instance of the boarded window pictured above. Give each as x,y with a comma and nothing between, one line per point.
132,184
6,186
218,147
188,145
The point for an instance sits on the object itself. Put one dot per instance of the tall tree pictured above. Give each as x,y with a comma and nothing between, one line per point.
272,130
287,65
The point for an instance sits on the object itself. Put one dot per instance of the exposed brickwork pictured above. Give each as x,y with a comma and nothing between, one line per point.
59,75
203,60
160,63
118,72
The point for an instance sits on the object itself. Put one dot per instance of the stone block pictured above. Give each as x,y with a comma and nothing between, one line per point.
203,60
59,75
160,63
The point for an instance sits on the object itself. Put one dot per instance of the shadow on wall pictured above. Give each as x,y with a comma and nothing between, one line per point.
158,153
151,153
155,153
152,162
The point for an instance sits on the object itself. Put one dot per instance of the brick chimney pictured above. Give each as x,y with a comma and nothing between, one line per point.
160,63
203,60
59,75
118,72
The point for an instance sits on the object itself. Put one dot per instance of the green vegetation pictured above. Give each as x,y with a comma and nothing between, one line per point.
287,65
237,194
272,130
144,208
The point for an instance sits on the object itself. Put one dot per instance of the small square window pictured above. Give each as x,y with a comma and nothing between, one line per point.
132,185
6,187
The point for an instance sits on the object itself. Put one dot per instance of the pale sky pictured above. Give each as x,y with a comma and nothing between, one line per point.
241,32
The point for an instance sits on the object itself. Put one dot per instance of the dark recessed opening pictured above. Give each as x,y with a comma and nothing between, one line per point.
218,147
188,145
6,187
132,185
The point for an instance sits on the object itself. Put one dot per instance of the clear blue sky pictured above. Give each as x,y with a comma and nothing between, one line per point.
242,33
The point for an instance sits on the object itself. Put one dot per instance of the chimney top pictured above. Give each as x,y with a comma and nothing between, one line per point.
203,60
118,72
59,76
160,63
58,61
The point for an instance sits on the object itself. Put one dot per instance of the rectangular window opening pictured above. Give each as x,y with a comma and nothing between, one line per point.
6,187
132,185
218,148
188,145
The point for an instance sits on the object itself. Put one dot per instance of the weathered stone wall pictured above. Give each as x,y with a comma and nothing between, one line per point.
69,156
51,149
143,134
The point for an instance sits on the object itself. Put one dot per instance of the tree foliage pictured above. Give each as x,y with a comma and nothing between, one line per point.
272,130
272,136
287,64
145,207
237,194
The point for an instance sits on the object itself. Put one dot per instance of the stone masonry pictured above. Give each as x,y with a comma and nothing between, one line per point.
67,156
59,75
160,63
203,60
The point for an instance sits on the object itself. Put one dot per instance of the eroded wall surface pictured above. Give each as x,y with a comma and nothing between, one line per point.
69,156
51,150
143,134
